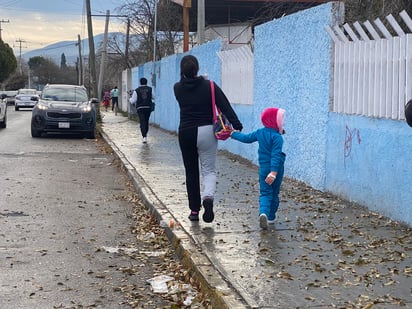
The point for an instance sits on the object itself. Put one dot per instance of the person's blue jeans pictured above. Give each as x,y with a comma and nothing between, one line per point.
269,194
115,102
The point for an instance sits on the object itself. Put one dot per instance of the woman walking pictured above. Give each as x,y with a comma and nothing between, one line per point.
196,137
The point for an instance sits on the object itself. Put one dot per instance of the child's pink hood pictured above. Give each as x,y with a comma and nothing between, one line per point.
273,117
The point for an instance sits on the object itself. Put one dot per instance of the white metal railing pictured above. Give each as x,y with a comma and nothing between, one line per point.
372,71
237,74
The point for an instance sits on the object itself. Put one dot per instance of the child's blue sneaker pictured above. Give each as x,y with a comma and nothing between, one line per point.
271,220
263,221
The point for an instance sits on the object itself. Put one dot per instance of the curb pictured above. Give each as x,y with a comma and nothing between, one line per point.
221,293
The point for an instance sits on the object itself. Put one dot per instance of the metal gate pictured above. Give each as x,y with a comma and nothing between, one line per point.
237,74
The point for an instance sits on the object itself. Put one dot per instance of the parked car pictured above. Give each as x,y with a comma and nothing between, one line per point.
64,109
26,98
11,96
3,110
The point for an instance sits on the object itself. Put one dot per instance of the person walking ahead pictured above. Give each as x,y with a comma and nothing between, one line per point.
114,94
142,98
271,161
196,136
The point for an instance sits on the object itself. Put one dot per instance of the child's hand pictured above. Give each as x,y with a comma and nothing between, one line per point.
270,178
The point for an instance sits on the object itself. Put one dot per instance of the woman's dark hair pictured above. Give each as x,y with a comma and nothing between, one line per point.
189,66
143,81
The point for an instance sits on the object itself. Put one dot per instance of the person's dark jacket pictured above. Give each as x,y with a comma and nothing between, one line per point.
408,113
195,102
144,97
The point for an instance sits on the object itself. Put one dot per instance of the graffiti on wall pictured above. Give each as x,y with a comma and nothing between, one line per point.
350,137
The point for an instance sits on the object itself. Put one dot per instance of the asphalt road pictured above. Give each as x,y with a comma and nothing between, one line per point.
65,210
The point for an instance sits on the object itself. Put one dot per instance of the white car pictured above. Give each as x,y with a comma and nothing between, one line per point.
10,95
3,111
26,98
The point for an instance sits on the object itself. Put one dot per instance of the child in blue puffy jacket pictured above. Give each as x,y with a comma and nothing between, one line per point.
271,161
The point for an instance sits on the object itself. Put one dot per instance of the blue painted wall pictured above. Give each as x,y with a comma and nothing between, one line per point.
369,162
167,71
292,71
361,159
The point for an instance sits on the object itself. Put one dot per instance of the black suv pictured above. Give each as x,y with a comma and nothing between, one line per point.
64,109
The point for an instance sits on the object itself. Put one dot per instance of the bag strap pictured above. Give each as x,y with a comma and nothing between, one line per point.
212,90
216,110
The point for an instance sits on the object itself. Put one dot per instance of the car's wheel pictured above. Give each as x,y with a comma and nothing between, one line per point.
35,133
16,108
3,124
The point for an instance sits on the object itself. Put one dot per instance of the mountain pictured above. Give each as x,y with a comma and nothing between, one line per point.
71,50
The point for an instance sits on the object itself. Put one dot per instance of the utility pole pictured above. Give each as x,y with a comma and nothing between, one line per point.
154,46
200,22
3,21
104,55
20,41
92,59
186,4
80,61
92,56
126,52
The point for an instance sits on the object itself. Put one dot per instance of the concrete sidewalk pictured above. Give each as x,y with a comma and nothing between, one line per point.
322,252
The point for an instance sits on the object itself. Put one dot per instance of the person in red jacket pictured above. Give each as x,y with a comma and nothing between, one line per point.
196,137
106,100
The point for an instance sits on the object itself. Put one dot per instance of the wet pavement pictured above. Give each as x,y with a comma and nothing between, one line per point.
322,252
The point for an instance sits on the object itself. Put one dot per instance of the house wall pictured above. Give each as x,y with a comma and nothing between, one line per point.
292,71
167,71
369,162
361,159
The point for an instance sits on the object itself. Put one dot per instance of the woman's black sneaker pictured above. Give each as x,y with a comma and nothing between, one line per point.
194,216
208,215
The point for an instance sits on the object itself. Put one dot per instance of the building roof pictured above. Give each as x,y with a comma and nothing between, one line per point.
219,12
257,12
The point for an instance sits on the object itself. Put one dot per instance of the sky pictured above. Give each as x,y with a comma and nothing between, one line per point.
31,24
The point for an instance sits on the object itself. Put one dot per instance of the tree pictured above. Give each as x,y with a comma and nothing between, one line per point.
141,15
15,81
45,71
359,10
8,62
63,63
